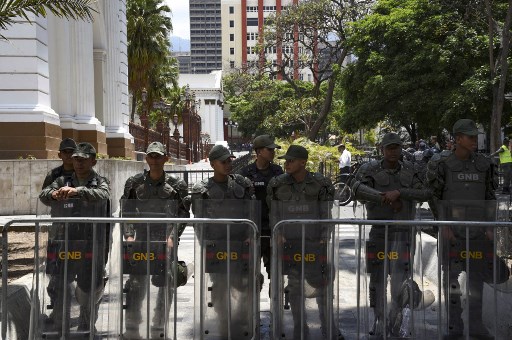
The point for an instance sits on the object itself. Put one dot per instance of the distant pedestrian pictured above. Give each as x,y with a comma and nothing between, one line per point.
344,160
505,164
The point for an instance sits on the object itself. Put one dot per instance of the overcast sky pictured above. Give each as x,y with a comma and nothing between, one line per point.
180,18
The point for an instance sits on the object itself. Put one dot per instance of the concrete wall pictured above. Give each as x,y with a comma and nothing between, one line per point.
21,180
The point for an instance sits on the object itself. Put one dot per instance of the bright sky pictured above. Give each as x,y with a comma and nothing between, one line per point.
180,18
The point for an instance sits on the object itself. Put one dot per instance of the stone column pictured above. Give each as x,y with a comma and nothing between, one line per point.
81,124
28,124
119,139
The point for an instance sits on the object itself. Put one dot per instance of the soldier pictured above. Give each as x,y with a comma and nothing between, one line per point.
464,175
260,173
87,185
298,184
153,185
66,149
390,188
223,186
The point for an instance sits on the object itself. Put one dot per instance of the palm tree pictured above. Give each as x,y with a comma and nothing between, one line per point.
70,9
149,26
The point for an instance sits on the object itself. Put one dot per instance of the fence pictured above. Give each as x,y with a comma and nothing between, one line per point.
354,316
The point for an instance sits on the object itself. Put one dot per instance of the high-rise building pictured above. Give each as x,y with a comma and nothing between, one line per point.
242,25
205,36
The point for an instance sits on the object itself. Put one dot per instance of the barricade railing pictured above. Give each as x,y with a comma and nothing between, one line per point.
359,256
253,243
419,328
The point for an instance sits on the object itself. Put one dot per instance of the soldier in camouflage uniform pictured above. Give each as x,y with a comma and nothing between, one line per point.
465,175
298,184
154,184
66,149
222,186
260,173
390,188
89,186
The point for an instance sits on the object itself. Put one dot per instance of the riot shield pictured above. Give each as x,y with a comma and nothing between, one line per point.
151,271
304,272
470,267
227,271
393,293
70,276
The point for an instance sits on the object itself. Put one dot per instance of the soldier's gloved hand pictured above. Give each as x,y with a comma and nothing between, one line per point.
388,197
396,206
64,193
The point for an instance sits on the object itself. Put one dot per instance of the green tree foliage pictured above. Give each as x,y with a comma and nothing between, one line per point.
261,105
70,9
149,62
320,31
419,64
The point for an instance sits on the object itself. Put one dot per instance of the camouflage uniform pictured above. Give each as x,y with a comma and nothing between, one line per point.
372,179
314,188
94,189
237,187
142,188
451,179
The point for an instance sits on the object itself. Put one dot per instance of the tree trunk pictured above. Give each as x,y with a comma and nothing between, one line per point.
499,87
326,108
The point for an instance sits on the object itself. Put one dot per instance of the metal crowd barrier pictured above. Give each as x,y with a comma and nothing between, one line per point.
418,330
331,256
116,321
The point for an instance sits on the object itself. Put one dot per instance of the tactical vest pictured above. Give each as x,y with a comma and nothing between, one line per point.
505,156
465,179
235,189
311,189
145,188
389,180
260,182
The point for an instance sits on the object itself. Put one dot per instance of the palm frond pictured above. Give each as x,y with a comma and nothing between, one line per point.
70,9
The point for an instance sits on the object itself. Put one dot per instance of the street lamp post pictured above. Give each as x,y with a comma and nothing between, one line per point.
230,124
176,135
144,118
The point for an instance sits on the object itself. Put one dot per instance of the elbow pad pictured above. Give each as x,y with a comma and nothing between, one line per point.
365,193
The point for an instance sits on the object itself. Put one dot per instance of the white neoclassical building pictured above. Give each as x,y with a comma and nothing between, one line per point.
208,91
61,78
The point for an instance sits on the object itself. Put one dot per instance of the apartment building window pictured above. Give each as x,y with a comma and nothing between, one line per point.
252,21
231,23
232,50
231,10
252,36
231,64
252,9
231,37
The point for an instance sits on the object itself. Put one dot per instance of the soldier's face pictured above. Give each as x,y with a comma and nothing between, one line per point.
65,155
83,166
293,166
392,152
266,154
222,167
156,161
469,143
